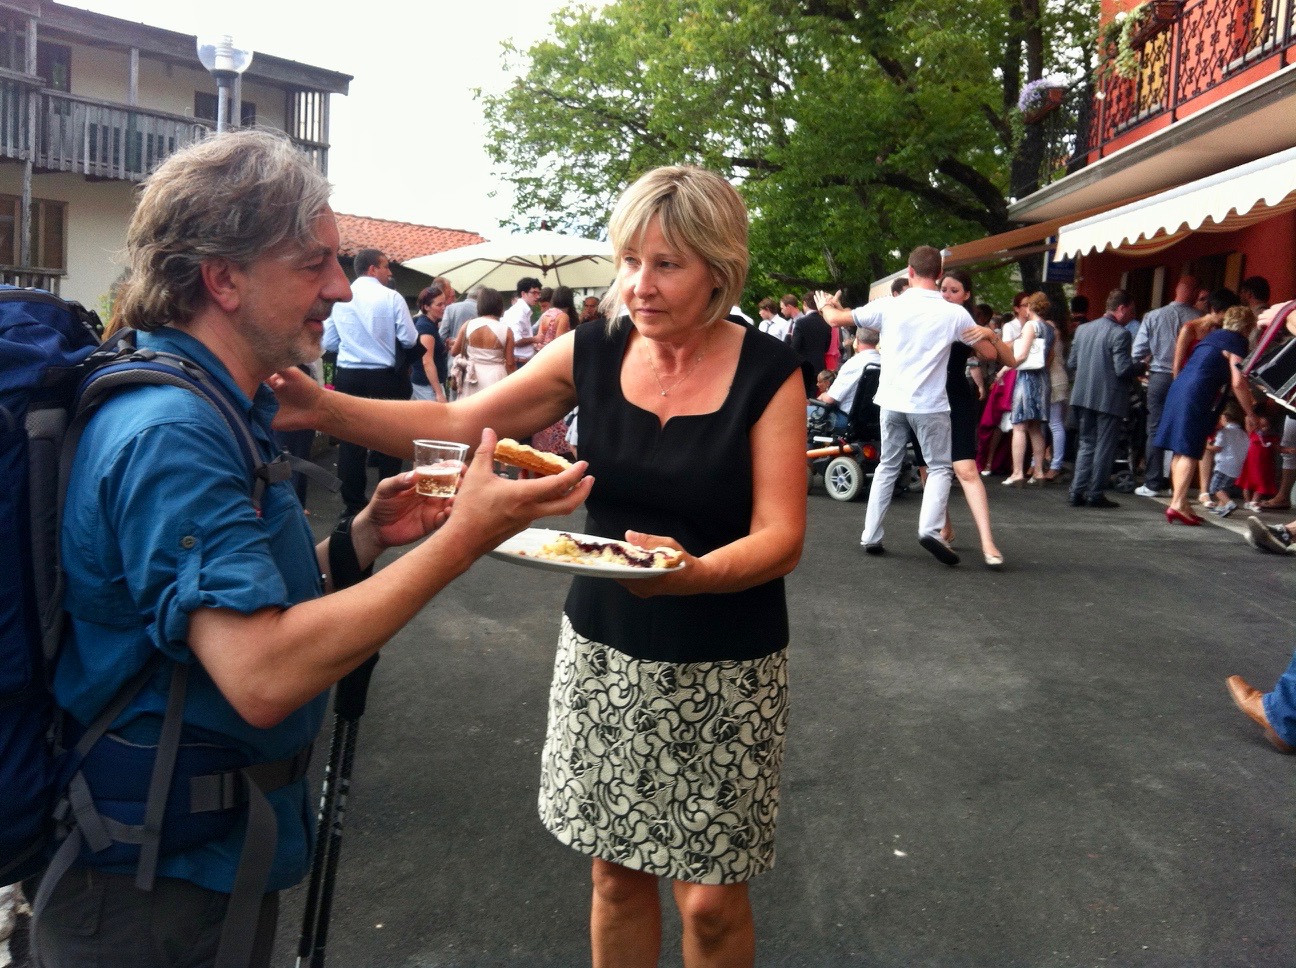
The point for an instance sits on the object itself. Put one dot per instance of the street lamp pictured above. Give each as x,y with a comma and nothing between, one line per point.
225,62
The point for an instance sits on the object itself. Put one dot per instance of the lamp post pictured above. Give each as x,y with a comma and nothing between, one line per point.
225,62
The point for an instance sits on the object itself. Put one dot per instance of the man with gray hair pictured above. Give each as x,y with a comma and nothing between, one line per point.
1155,344
196,603
456,314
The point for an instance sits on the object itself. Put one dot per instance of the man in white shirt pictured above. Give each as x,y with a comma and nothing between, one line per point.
917,329
364,333
842,392
518,318
772,321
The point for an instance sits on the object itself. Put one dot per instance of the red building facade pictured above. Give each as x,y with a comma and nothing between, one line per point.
1181,157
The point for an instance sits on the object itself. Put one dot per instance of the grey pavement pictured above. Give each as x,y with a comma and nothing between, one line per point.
1038,767
1031,768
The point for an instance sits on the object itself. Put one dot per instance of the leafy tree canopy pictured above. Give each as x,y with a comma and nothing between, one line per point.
855,129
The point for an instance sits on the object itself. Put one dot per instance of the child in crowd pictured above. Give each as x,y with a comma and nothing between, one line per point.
1229,447
1259,477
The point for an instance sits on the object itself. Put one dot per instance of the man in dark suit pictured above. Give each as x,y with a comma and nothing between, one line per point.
810,339
1100,365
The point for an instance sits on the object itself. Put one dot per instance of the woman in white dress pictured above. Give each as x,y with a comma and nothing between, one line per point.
483,350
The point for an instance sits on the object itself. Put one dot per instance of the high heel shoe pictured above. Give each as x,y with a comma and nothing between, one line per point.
1174,516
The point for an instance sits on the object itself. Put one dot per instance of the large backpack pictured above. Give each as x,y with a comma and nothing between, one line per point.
107,802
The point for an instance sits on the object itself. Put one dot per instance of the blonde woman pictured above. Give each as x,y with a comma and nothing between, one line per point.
669,700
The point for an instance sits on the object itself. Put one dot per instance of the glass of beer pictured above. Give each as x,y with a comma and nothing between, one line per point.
438,466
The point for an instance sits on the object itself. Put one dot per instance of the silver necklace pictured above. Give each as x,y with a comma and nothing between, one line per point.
665,390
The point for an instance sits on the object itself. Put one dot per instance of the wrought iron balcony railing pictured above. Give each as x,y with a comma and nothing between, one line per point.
1209,42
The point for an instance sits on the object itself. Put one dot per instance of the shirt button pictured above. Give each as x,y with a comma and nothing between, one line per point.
188,541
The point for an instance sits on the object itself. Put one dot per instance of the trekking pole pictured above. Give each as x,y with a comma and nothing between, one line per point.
348,706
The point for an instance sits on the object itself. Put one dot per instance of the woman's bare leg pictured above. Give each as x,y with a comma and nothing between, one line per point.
1181,475
978,503
625,917
1018,452
1036,431
718,928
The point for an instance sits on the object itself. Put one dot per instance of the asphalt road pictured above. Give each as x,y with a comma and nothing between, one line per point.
1035,767
1038,767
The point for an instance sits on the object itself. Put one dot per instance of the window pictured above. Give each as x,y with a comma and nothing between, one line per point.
54,63
205,108
48,227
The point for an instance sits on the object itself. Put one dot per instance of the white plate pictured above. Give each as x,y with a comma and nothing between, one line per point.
521,548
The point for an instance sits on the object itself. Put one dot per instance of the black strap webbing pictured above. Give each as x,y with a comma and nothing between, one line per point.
160,782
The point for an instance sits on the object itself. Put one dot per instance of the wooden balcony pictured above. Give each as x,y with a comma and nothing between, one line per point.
47,279
97,139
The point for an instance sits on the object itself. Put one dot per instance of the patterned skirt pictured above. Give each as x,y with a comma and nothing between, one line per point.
1030,396
668,768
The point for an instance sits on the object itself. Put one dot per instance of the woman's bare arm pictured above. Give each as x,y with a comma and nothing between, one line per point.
539,394
773,546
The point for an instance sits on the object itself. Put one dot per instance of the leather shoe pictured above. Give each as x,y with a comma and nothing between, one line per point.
1076,500
874,549
939,549
1101,501
1250,700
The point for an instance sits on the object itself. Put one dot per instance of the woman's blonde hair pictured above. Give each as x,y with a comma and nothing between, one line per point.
1039,303
1239,319
698,211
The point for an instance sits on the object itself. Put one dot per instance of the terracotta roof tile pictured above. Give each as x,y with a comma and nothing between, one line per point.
399,240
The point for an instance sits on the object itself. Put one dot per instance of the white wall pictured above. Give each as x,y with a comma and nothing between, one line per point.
97,214
104,75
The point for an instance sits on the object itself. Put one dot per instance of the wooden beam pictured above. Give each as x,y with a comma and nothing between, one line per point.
169,45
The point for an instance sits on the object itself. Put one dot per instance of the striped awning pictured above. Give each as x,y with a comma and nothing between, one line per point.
1223,202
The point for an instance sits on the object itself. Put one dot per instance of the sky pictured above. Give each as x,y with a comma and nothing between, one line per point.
407,142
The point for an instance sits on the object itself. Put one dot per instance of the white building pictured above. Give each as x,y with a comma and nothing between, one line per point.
89,105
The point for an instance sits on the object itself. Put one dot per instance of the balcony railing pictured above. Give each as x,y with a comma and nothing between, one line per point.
1209,42
97,138
107,140
47,279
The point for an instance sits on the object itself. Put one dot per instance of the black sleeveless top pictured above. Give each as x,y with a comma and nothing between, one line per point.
691,480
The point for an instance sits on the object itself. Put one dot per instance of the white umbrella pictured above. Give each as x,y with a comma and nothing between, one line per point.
556,259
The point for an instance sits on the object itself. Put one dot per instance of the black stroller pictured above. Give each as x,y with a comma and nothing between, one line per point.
1130,445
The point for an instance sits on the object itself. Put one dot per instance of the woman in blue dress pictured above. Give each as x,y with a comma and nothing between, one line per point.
1194,402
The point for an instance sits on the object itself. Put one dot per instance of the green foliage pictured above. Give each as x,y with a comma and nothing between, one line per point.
855,129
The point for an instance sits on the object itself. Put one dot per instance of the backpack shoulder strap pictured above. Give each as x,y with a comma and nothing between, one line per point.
116,364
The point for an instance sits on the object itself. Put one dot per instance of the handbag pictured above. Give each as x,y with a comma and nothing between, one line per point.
463,368
1035,355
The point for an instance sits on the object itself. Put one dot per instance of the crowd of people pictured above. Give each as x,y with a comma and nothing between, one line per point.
206,617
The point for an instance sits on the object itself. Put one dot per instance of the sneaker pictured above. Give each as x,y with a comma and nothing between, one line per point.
1224,510
1253,506
1144,491
1207,503
1272,538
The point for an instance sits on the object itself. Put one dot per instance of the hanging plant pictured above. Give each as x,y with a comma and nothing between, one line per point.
1122,37
1040,98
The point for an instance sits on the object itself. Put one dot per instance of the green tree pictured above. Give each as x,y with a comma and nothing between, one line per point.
855,129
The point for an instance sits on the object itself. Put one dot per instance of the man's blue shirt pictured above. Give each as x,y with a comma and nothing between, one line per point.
158,523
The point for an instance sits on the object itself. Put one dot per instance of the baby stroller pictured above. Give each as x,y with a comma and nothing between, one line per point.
847,459
1129,446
